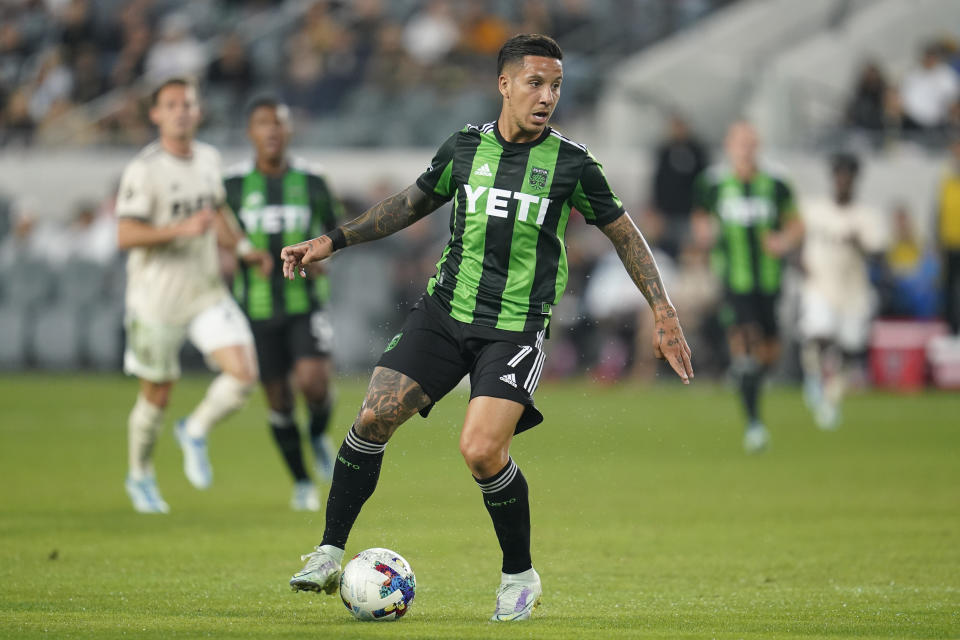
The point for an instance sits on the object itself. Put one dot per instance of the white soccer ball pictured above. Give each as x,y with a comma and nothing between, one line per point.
377,584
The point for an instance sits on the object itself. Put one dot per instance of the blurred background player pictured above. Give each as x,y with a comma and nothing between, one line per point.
840,236
171,217
753,219
279,200
486,311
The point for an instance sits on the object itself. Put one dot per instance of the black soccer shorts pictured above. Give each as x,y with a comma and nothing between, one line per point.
756,308
282,341
436,351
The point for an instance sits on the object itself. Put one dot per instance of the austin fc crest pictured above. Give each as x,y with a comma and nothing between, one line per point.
538,177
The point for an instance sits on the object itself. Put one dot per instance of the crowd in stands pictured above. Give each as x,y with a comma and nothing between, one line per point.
923,107
372,58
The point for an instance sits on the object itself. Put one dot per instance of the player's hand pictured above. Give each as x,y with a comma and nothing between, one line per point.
295,257
775,244
669,343
259,258
197,224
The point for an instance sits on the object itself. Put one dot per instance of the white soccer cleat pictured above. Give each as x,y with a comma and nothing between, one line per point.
145,495
323,456
827,416
304,497
322,571
518,595
196,464
756,438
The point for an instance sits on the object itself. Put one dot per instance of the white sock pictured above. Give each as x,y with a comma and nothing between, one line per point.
143,426
225,395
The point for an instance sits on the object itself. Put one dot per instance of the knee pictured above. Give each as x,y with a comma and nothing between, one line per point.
315,392
157,394
374,425
484,457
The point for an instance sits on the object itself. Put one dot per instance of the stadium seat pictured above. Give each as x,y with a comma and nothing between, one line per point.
13,337
102,339
81,281
27,284
56,337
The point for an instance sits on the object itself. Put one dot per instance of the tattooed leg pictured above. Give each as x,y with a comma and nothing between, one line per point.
392,399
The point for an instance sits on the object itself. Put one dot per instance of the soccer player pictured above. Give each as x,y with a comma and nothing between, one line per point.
751,215
514,183
838,300
279,200
171,216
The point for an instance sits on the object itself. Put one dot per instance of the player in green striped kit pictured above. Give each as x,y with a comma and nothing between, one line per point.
753,217
280,201
514,183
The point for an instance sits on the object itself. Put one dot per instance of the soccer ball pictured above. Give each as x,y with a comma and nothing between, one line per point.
377,584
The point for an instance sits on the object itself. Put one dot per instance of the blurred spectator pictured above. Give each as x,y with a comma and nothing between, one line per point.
231,71
535,18
77,29
680,158
18,126
131,60
52,84
484,32
88,80
867,109
948,236
431,33
93,233
20,243
929,93
177,52
908,280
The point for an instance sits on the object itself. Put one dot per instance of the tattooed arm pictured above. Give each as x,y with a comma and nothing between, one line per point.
384,218
668,341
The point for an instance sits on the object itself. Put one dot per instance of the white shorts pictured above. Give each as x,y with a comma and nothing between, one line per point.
848,326
153,349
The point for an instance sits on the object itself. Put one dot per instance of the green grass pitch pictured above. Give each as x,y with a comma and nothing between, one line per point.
649,521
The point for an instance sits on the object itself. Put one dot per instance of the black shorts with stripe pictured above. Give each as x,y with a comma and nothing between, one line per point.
437,351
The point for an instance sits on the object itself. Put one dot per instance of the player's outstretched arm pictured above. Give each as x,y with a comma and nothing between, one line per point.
384,218
133,233
668,341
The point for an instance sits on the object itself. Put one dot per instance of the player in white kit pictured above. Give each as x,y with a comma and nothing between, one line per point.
838,299
171,216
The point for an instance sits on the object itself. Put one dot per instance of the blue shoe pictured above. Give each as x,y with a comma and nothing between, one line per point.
196,464
323,456
145,495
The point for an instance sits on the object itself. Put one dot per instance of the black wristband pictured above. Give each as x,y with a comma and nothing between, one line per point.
337,238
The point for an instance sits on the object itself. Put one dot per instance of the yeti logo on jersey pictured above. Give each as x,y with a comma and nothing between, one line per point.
497,201
275,218
746,211
538,177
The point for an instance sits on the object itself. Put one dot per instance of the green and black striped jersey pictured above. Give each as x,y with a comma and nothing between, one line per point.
746,211
505,265
275,212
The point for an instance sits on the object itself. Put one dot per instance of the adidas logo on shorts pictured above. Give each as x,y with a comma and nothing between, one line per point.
510,379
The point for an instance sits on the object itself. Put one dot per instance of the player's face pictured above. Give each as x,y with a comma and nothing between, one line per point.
177,112
269,131
843,180
741,145
530,93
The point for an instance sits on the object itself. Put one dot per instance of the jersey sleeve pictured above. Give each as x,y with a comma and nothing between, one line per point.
219,194
593,197
325,209
873,232
135,197
233,190
785,201
705,193
438,178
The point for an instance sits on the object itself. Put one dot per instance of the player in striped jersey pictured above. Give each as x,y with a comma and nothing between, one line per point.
753,217
279,200
514,183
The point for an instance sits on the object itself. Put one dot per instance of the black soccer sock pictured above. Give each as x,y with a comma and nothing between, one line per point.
750,378
506,498
287,436
319,417
355,475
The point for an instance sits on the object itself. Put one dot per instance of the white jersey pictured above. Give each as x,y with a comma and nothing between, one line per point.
836,238
173,282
